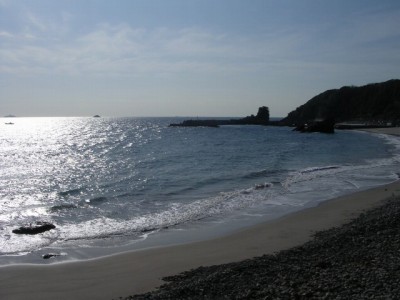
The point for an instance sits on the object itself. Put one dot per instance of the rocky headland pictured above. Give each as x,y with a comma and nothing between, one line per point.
370,106
375,105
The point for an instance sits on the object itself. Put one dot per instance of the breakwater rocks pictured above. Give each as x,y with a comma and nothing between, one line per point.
360,260
262,118
199,123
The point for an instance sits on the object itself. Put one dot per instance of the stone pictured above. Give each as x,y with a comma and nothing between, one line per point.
50,255
36,228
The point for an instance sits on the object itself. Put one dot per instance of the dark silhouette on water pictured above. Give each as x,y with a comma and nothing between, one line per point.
324,126
262,118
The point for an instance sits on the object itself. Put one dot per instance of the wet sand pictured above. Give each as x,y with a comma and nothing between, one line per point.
141,271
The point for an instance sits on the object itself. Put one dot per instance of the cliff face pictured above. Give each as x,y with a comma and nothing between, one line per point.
372,102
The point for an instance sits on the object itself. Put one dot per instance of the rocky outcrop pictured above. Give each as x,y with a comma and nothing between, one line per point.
262,118
198,123
325,126
36,228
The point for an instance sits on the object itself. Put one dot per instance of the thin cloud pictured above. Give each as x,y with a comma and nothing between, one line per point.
5,34
122,49
47,47
35,22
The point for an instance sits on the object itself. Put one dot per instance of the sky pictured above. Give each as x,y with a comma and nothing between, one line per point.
189,57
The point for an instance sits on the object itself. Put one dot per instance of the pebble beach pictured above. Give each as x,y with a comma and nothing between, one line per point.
359,260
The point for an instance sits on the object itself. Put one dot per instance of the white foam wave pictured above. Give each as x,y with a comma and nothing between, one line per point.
313,173
395,142
310,174
177,213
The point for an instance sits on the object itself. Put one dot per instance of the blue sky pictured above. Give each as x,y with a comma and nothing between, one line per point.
189,57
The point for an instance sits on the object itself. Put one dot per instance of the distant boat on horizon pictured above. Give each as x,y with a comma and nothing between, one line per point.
96,116
9,123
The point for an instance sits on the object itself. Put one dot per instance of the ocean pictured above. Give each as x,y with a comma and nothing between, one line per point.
116,184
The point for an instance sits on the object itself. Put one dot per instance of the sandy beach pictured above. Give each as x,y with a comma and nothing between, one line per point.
391,130
141,271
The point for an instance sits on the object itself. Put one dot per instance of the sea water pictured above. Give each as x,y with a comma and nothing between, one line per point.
111,184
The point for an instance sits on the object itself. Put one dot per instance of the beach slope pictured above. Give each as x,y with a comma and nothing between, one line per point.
141,271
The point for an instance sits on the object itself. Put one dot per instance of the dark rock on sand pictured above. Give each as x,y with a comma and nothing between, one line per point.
50,255
36,228
360,260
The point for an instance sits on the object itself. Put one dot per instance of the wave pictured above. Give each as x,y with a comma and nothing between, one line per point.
71,192
263,185
208,182
71,206
355,175
267,193
175,214
227,178
318,169
310,174
263,173
96,200
61,207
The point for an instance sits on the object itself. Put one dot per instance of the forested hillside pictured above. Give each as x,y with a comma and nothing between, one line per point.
370,103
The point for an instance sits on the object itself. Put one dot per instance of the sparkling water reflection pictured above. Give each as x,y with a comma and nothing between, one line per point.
96,178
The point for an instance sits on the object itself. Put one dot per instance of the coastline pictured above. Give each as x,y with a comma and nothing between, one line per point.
389,130
141,271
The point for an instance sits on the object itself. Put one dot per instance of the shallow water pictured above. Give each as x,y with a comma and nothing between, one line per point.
113,182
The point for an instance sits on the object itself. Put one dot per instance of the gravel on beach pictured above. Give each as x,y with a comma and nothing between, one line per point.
359,260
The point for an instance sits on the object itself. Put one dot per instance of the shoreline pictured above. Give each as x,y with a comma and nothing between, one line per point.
388,130
141,271
357,260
